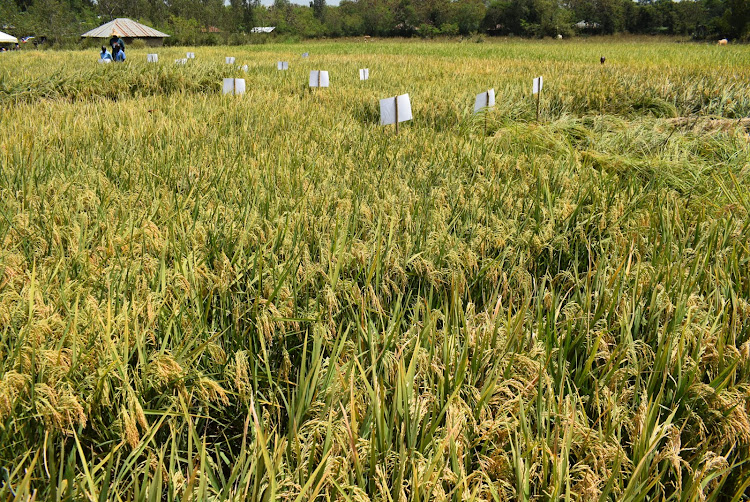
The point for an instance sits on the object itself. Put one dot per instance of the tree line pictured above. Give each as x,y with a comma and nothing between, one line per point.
206,22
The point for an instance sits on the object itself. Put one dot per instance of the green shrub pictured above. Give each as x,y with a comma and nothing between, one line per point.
138,44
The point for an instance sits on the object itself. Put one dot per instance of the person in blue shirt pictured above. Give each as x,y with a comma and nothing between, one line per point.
116,40
105,55
118,53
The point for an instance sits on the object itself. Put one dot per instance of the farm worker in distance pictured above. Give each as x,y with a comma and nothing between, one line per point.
116,40
105,55
118,53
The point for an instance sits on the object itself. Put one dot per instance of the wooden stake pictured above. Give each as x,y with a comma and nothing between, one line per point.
396,102
486,109
318,79
538,95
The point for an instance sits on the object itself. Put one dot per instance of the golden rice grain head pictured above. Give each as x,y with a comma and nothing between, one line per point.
210,390
129,429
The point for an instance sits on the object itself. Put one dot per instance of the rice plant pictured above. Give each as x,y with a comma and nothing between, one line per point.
271,297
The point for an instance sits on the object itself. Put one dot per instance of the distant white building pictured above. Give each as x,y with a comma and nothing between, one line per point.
263,29
585,25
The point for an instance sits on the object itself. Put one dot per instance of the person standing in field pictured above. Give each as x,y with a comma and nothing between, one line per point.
116,40
105,55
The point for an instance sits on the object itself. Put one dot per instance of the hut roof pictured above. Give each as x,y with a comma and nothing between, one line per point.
126,28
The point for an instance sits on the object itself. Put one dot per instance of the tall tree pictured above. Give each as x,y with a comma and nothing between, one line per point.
737,18
508,17
377,17
468,15
405,18
9,12
688,17
242,16
53,19
551,18
319,9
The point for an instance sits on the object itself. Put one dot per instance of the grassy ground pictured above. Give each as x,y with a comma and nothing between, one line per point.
271,297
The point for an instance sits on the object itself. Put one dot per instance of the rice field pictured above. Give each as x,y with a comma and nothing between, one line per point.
272,297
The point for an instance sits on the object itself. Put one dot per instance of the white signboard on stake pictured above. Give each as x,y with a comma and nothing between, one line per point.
364,74
228,86
318,78
282,65
390,112
538,84
180,61
229,60
484,100
152,58
191,55
234,86
305,54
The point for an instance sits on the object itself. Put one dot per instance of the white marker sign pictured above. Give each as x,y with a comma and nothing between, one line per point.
538,84
152,58
364,74
229,60
305,54
393,110
180,61
484,100
234,86
282,65
191,55
244,68
318,78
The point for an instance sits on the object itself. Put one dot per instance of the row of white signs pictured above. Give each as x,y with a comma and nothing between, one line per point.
322,79
154,58
230,60
392,110
237,85
318,78
364,74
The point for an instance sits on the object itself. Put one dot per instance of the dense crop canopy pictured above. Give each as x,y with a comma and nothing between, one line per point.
269,296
